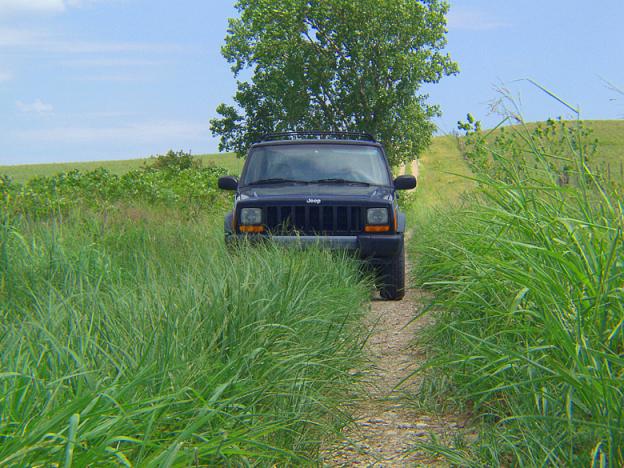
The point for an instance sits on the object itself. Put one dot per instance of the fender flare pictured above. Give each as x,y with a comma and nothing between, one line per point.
227,223
401,222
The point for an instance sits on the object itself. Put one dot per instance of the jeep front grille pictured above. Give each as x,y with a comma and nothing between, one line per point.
315,220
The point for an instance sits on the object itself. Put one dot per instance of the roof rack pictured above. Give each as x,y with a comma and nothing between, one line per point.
314,135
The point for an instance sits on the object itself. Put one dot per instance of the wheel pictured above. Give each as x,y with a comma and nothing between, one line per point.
228,235
393,277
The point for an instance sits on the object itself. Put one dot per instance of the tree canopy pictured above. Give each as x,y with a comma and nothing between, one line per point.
335,65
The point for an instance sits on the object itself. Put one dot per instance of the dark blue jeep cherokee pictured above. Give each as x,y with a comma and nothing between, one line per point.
333,189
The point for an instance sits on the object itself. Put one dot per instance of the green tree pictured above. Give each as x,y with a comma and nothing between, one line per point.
335,65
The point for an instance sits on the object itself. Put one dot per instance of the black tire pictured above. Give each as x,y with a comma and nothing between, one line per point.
393,277
228,235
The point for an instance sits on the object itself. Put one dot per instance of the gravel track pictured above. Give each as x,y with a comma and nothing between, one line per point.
386,425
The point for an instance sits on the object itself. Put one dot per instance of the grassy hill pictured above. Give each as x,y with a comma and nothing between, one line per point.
23,172
442,166
437,163
610,135
440,174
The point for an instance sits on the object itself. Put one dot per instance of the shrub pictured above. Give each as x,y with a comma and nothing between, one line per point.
174,180
173,161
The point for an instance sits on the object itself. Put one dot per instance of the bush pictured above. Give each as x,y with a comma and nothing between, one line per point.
173,180
173,161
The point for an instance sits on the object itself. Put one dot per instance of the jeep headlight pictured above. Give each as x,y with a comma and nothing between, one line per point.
377,216
251,216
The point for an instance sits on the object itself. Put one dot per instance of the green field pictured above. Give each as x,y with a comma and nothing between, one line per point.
442,175
610,134
130,335
23,172
439,159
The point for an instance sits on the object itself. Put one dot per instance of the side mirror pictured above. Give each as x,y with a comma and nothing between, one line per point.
405,182
228,183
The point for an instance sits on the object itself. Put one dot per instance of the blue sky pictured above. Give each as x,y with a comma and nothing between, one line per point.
114,79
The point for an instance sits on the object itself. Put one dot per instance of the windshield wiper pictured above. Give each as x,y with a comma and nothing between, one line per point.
276,180
339,181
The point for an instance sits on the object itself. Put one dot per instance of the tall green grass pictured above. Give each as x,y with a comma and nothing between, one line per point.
134,338
529,282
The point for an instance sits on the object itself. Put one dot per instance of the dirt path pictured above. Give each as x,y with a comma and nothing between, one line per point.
415,168
386,426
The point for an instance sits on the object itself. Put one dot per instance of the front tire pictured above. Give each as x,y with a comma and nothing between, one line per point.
393,277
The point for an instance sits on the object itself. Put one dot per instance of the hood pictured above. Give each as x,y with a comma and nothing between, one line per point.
328,192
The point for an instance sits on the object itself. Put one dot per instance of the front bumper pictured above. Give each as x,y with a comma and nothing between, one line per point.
366,246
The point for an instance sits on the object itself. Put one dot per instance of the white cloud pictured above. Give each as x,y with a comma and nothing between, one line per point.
143,133
474,20
36,107
115,78
116,62
81,3
12,7
87,47
5,76
11,38
105,115
31,6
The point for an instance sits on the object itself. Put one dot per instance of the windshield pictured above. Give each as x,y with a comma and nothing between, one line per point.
312,163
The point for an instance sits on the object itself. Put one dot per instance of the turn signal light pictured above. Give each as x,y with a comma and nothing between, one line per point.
251,228
372,228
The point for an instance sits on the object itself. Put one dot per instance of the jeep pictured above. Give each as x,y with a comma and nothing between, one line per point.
333,189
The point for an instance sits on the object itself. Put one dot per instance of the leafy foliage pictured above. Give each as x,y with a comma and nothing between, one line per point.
174,179
173,161
335,65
